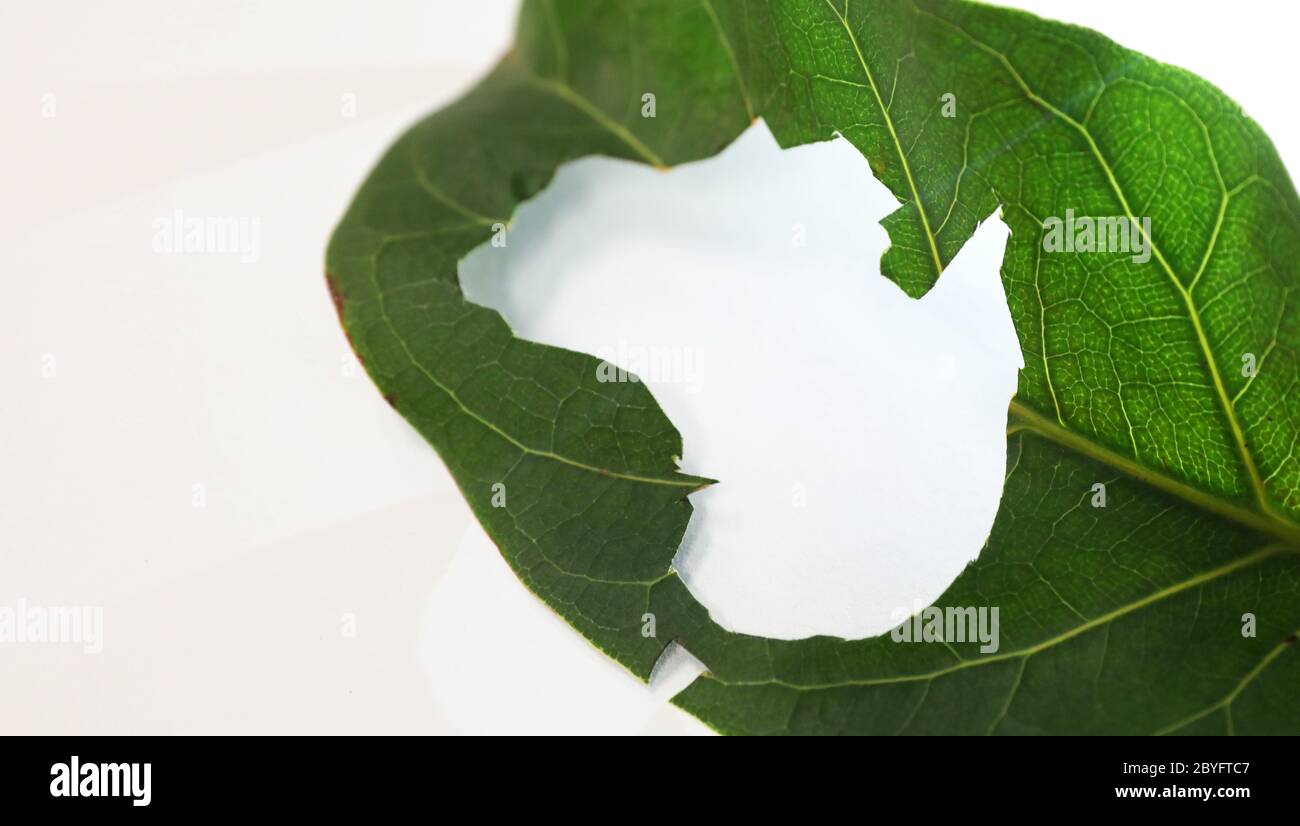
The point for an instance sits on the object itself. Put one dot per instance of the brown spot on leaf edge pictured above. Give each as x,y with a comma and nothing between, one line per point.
336,296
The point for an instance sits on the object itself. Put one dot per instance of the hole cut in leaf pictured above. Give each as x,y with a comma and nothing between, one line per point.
818,394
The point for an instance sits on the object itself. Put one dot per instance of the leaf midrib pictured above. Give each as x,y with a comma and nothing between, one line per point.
680,480
1229,411
1240,563
731,56
1266,518
1265,522
559,87
898,145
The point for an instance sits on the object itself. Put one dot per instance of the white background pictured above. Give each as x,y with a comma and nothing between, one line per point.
817,383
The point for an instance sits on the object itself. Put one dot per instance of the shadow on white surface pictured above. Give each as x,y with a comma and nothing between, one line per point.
571,688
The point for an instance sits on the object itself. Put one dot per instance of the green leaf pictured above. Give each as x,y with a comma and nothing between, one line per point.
1123,618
